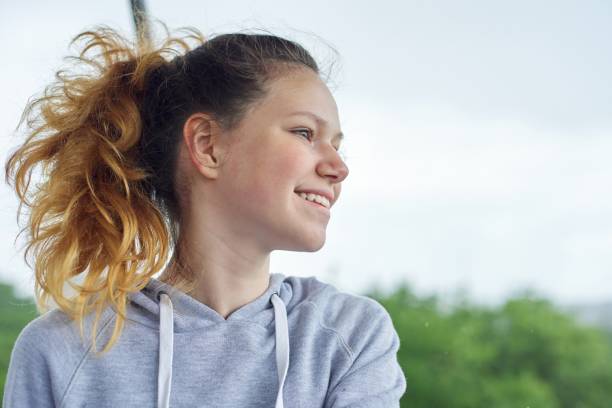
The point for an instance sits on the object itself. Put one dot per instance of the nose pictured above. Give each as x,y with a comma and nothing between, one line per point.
332,165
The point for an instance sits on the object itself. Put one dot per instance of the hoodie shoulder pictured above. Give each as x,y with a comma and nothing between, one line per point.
334,302
61,333
303,289
370,374
343,312
47,333
46,354
351,316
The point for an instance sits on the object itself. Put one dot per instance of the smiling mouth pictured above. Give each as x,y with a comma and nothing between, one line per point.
313,203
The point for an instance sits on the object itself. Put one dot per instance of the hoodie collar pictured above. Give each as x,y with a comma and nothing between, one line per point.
166,294
190,314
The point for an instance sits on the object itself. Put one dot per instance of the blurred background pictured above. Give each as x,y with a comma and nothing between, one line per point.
478,208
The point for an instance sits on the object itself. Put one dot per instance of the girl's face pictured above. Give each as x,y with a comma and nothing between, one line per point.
281,147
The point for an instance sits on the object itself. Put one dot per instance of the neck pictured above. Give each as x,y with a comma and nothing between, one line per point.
223,283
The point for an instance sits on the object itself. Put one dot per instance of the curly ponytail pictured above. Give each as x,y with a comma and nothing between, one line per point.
91,213
107,209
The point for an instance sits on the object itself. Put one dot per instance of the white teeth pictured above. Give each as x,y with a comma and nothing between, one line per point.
316,198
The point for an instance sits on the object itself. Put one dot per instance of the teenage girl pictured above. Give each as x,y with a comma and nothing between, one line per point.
197,161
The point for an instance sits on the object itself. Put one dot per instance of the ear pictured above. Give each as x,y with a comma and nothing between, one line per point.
201,135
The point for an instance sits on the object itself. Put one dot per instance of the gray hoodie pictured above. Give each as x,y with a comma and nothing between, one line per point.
302,343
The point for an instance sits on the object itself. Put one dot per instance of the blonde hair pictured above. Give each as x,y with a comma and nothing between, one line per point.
90,213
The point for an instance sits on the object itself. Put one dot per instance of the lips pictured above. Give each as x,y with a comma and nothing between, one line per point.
327,194
313,203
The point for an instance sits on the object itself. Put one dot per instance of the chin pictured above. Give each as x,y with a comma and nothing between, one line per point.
310,245
315,248
315,244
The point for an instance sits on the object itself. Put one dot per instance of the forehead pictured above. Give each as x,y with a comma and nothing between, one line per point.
301,92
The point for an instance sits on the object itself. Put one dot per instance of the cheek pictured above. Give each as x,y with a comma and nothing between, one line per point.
281,177
269,174
291,164
282,164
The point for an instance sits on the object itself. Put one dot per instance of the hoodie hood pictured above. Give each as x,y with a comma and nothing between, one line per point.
174,311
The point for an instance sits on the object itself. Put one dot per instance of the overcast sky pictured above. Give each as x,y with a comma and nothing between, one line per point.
478,134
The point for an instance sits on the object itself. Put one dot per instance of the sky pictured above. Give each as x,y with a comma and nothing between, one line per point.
478,135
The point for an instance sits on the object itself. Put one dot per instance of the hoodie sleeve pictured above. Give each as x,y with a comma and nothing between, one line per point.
28,382
374,378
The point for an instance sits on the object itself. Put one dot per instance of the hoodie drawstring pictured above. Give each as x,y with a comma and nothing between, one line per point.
281,330
166,347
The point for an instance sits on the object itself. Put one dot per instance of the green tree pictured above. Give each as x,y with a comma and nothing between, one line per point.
15,313
525,353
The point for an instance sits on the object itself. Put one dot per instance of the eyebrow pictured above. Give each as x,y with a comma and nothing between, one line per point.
317,118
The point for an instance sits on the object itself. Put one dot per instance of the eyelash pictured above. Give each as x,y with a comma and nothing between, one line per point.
310,132
304,129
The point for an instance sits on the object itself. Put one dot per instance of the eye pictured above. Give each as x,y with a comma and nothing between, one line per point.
309,135
306,131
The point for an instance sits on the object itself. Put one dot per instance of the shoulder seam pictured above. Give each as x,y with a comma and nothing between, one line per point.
344,344
78,367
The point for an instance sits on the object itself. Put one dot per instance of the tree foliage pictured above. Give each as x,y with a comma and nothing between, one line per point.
15,313
525,353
